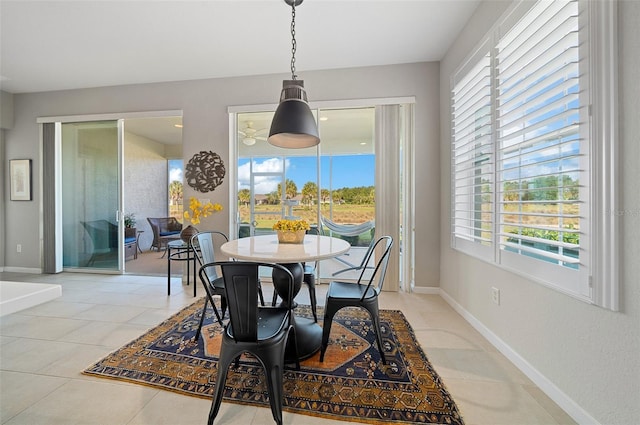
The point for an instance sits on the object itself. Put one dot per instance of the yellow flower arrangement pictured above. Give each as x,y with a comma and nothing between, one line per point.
200,210
291,225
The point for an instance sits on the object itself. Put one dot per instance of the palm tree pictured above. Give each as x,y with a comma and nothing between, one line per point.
175,192
291,189
325,195
309,192
244,196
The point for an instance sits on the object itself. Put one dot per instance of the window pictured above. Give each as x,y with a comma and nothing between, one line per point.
527,164
472,157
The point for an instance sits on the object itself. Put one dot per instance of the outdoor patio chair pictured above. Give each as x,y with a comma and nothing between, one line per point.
165,230
361,294
104,238
351,230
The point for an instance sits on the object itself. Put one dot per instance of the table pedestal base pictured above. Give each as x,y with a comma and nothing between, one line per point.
308,338
308,332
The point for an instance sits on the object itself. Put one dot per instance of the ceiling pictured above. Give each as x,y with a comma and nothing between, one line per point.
58,45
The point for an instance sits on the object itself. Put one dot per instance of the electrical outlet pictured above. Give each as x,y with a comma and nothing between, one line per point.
18,248
495,295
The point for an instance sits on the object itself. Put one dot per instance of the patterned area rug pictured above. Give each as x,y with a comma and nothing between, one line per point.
351,384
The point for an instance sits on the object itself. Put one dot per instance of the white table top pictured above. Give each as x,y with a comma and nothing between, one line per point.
266,248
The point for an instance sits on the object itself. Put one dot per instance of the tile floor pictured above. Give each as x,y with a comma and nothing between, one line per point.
43,350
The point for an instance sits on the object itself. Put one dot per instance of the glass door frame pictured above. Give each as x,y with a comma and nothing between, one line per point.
252,206
104,214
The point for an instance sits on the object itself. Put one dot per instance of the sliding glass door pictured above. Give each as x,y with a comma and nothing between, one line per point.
91,181
333,186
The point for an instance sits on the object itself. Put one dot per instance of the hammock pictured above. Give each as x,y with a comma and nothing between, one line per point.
348,229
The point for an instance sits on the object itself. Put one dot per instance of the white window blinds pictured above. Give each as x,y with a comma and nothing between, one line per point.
538,135
472,156
534,147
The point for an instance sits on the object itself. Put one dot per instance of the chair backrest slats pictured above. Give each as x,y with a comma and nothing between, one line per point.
242,297
376,280
204,249
241,283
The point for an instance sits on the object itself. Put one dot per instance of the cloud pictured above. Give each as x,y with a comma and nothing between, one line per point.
175,174
262,184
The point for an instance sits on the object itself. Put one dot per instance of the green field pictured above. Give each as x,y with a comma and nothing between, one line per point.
346,214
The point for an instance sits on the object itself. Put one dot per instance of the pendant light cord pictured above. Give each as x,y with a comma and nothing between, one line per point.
293,41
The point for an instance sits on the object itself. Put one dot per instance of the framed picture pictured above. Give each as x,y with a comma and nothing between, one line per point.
20,172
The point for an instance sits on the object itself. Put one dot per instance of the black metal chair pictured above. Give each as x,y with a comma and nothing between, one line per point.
360,294
309,278
203,247
264,332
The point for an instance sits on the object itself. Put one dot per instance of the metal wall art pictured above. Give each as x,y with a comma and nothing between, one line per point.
205,171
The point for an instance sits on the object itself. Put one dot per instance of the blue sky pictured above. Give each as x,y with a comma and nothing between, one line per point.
348,171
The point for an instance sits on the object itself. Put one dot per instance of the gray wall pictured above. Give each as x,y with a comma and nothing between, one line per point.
204,104
6,122
589,353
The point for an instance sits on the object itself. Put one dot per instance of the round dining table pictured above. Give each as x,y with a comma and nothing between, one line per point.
266,248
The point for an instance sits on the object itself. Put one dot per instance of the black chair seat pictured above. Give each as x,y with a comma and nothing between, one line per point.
348,291
271,323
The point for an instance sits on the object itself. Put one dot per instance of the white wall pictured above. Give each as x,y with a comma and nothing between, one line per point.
204,104
588,354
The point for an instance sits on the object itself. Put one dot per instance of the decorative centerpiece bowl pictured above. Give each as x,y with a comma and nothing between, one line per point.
291,236
291,231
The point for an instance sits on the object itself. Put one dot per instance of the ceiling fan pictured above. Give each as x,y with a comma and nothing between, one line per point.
250,135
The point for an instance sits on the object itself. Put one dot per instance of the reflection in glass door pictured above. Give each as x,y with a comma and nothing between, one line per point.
91,195
273,183
265,182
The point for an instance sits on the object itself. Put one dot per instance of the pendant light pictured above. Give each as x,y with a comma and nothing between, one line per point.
293,125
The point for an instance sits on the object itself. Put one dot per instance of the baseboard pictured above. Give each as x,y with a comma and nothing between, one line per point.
427,290
549,388
22,270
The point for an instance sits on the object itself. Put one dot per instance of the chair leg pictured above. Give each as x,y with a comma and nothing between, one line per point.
310,280
223,306
375,318
204,312
223,367
326,328
274,369
274,382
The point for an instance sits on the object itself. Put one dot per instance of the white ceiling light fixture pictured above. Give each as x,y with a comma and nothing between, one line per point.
293,125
